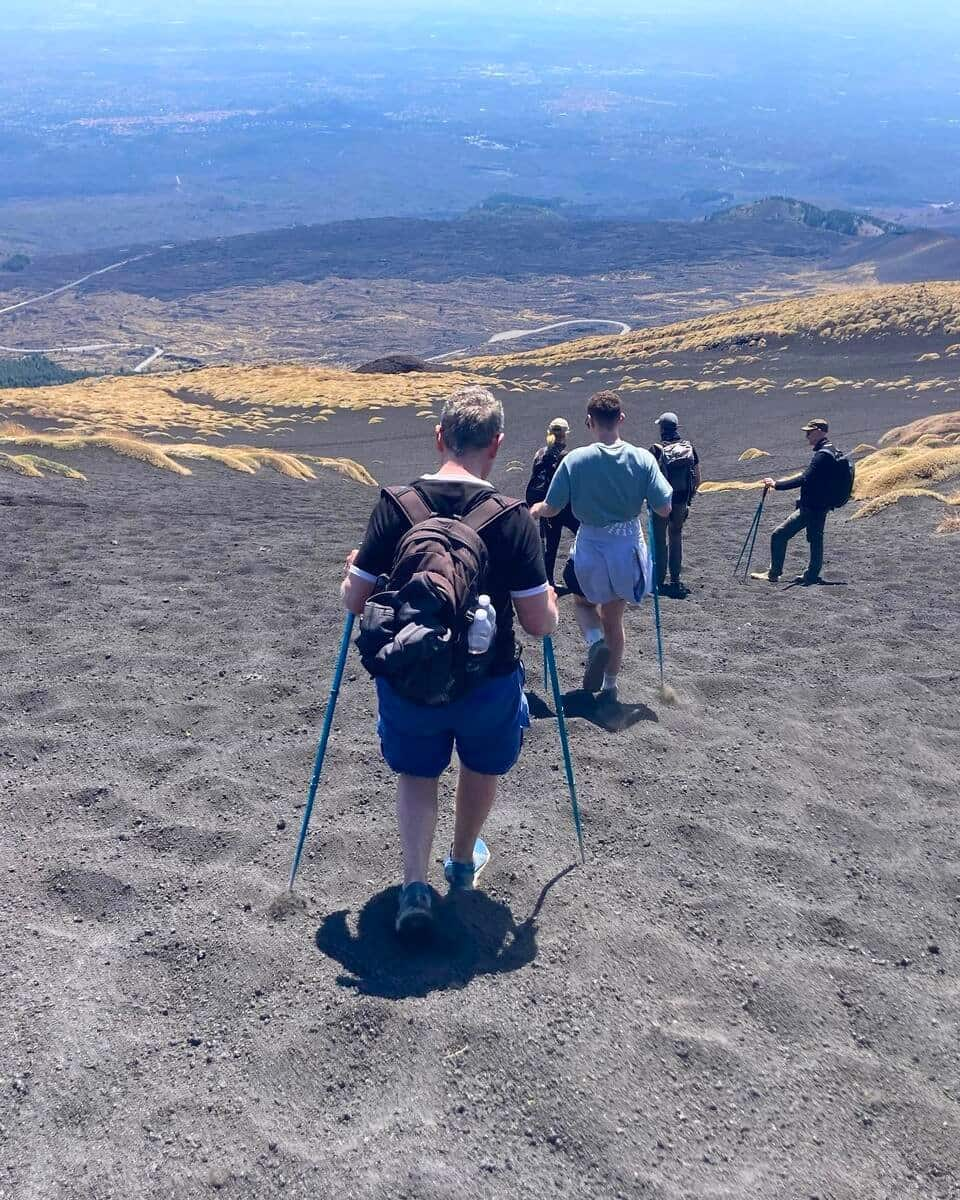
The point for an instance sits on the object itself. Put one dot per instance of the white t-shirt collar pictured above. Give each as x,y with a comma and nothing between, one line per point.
465,477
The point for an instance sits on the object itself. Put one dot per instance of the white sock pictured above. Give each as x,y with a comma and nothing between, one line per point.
609,682
593,636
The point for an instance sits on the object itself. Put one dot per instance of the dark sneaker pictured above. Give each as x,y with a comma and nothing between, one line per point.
415,912
765,576
462,877
678,590
598,655
807,580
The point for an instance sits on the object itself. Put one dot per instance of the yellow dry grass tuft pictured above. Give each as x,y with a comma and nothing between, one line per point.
226,456
346,466
897,467
47,466
949,524
246,459
898,472
751,453
19,464
215,400
879,503
280,461
128,446
863,448
731,485
941,425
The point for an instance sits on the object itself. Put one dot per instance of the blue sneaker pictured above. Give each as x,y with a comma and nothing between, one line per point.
462,877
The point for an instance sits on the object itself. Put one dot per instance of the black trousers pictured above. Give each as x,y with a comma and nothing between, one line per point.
669,528
813,521
551,530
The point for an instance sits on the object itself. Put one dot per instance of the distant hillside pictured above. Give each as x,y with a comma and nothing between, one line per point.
500,243
905,258
784,210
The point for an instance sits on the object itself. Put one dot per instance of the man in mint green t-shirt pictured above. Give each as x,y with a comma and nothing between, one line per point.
606,485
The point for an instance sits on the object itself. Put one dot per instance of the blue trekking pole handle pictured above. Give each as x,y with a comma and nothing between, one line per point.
322,744
756,530
656,595
551,665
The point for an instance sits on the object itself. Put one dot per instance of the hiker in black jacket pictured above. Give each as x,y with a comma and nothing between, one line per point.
680,463
815,485
545,463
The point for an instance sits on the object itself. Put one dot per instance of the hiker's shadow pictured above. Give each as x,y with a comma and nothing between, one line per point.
611,717
474,935
820,583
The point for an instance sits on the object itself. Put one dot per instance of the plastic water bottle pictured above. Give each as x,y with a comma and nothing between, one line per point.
482,627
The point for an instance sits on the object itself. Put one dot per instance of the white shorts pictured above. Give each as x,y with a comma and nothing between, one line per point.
612,562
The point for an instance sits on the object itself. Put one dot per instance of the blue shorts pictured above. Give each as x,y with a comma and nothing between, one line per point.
486,726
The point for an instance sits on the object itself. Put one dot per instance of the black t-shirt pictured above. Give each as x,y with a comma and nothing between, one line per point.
513,547
545,463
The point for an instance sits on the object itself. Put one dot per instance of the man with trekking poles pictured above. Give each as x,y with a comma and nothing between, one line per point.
606,485
826,484
443,566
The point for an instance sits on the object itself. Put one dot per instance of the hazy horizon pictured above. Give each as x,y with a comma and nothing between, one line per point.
222,117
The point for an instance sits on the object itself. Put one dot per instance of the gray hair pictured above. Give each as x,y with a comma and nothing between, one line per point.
470,419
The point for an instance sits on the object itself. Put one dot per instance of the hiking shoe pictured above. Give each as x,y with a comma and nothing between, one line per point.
678,590
598,655
414,912
807,580
765,576
462,877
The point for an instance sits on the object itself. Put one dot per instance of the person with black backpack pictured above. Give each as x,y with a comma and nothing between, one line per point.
545,463
826,484
443,566
678,460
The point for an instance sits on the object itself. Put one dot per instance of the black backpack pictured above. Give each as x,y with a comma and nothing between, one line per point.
544,469
413,631
678,463
839,486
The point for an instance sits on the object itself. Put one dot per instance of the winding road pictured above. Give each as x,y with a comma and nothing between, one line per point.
510,335
156,352
75,283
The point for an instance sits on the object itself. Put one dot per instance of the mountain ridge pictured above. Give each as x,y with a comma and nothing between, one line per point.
786,210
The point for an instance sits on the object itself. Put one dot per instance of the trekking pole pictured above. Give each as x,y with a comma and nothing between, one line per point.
546,672
322,745
746,540
656,596
756,530
750,539
551,664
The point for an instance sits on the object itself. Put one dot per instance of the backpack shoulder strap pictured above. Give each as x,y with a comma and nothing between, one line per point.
489,509
411,503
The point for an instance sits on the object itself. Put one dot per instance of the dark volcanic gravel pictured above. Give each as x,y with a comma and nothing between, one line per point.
749,991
